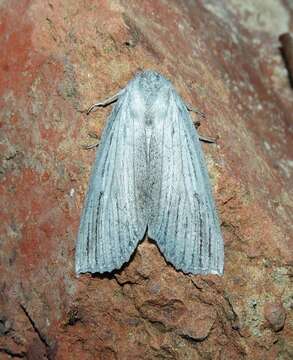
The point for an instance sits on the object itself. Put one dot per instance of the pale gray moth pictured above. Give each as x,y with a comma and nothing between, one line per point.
149,177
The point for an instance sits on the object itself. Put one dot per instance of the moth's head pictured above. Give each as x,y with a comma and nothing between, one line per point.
150,75
149,81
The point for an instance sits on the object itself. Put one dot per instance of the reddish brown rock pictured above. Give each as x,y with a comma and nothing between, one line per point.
57,58
275,314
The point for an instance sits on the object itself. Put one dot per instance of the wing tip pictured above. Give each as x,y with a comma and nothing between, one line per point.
215,267
202,271
96,268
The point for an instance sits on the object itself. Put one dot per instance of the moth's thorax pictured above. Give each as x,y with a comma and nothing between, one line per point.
150,84
149,90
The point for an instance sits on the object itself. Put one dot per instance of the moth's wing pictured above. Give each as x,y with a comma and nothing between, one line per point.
113,219
183,219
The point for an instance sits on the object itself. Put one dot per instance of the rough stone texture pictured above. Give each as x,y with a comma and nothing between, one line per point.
58,57
275,314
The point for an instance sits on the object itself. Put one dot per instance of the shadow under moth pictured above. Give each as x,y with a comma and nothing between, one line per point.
149,177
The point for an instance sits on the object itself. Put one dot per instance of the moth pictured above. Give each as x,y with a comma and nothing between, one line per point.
149,177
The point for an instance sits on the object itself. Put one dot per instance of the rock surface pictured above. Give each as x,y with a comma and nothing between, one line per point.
275,314
58,57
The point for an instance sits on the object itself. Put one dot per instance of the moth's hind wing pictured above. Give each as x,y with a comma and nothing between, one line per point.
113,219
183,219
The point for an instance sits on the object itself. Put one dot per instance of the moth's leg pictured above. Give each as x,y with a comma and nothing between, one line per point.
106,102
208,139
93,135
93,108
91,146
196,123
103,103
196,111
